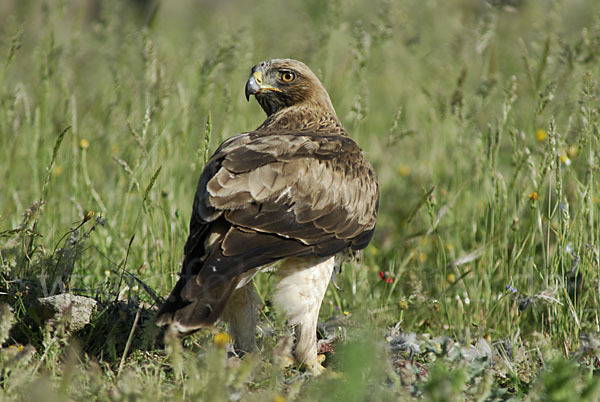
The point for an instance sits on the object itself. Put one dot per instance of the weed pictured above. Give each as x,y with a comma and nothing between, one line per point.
481,119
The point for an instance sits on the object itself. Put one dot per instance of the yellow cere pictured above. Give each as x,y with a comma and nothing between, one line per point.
258,77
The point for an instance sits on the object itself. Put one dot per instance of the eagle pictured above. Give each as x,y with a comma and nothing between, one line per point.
296,196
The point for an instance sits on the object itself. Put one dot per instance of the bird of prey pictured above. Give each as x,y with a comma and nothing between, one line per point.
297,191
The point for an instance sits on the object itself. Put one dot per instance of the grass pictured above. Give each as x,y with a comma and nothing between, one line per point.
481,119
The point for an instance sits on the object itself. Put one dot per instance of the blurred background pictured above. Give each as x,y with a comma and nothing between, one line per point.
480,117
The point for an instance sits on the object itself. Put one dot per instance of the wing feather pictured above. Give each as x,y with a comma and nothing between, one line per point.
307,187
265,197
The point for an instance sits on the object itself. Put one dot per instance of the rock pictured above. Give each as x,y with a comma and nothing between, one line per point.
74,311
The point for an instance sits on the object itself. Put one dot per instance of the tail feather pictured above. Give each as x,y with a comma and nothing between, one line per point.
197,300
209,277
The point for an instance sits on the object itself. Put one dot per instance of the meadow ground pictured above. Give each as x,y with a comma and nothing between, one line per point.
481,118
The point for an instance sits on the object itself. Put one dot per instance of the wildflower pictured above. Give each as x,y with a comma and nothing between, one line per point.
511,289
564,159
386,277
222,339
403,170
346,313
451,278
84,144
321,358
541,135
57,171
88,216
534,196
572,151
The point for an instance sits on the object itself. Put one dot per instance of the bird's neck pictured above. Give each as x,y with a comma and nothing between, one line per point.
303,118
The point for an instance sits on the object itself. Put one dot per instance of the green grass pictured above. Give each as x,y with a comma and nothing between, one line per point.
482,123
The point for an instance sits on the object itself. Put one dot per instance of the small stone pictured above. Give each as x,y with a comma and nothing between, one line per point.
74,311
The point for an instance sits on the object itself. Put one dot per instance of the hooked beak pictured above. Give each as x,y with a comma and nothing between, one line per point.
252,87
255,85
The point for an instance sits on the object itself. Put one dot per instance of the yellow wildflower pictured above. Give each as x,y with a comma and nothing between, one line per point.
451,278
541,135
403,170
57,171
222,339
84,143
534,196
88,216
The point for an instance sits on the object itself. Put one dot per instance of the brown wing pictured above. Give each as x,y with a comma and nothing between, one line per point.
263,197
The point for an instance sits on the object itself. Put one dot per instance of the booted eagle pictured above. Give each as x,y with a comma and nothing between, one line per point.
296,190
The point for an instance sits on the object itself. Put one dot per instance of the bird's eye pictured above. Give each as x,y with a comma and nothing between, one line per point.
287,76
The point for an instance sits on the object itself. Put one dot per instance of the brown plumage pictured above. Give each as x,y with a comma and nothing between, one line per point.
298,189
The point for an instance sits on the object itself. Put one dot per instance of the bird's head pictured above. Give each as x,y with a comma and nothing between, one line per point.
281,83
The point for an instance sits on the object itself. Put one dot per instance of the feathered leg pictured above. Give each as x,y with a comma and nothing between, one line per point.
299,294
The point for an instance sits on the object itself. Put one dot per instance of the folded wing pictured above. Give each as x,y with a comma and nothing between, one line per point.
263,197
